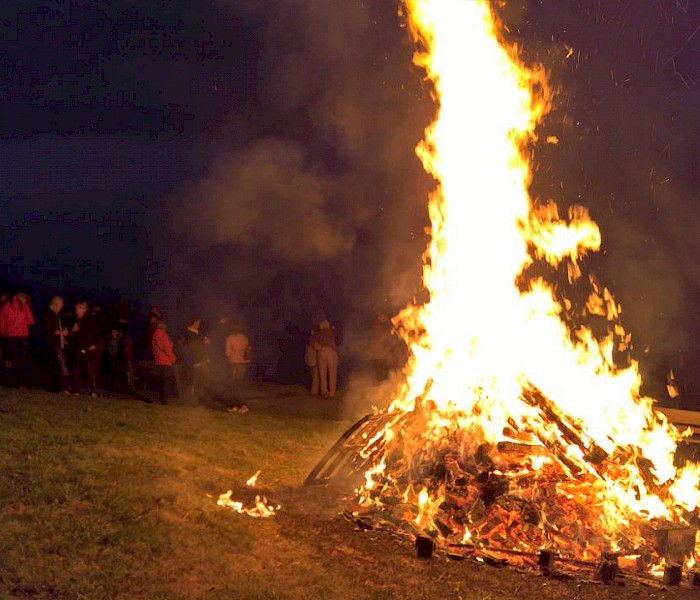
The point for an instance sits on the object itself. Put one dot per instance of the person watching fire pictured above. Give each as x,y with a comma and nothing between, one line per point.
325,341
238,352
85,337
15,320
311,360
192,355
55,340
164,359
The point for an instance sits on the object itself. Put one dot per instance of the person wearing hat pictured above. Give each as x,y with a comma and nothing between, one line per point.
325,341
191,350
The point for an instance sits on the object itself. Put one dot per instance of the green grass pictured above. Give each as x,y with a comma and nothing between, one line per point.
109,499
104,498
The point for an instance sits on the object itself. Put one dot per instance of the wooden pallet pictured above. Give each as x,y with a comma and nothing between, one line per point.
343,460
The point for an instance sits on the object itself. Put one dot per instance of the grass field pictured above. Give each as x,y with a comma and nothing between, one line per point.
104,499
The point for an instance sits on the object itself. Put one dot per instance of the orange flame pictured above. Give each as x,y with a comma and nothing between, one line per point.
492,355
253,480
261,508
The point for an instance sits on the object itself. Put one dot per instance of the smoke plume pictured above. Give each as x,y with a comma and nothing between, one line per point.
323,192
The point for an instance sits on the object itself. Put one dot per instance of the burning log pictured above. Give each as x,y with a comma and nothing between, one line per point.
608,568
591,452
647,581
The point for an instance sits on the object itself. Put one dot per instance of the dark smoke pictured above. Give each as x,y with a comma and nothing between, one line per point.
320,208
266,197
320,211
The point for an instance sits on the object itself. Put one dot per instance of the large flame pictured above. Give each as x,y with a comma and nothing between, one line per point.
493,353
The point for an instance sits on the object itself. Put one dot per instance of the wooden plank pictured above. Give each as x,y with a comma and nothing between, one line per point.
681,417
684,419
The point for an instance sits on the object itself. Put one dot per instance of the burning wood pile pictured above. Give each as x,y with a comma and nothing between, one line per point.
517,502
517,434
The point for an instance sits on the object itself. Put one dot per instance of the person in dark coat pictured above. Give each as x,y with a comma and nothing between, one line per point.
192,351
115,371
153,319
85,337
103,329
55,341
311,360
127,353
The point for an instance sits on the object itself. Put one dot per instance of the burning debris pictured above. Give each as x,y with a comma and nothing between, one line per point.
516,435
260,508
252,481
511,499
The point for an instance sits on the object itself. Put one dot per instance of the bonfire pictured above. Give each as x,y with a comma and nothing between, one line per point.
518,426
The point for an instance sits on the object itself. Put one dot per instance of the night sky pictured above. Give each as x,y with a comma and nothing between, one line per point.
255,157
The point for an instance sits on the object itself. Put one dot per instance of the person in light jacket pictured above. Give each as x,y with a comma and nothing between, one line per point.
55,341
325,341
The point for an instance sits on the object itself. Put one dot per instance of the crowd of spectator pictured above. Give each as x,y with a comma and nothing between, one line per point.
83,349
202,369
74,349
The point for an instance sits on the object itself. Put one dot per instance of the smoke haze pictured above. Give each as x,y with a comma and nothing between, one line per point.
323,192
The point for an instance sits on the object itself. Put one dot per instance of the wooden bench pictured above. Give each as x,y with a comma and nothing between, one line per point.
684,419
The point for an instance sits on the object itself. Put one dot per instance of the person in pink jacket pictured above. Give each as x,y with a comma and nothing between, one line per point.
15,320
164,359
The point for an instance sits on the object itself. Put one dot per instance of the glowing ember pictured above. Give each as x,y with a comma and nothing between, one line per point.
260,509
514,427
253,480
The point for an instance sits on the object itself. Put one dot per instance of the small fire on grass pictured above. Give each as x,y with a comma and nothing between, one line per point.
259,508
253,480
